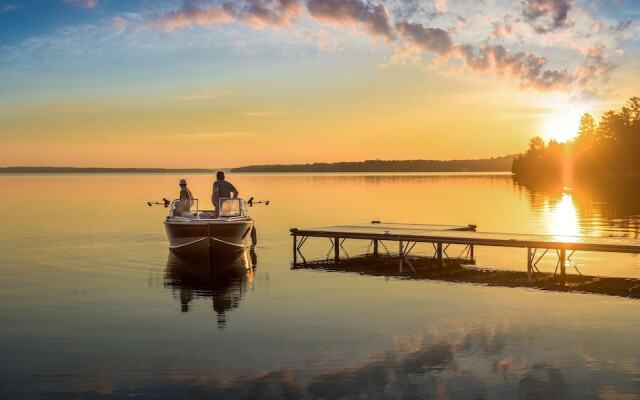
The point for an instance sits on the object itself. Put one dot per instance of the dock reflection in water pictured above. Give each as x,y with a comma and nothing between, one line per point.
223,280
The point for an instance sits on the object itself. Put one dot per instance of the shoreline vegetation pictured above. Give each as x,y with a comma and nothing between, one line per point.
604,151
496,164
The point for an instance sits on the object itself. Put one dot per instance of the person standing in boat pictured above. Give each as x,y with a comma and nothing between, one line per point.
186,198
222,189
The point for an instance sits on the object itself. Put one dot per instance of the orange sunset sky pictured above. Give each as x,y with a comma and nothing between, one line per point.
227,83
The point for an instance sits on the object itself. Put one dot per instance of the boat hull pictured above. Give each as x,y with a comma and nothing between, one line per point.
214,238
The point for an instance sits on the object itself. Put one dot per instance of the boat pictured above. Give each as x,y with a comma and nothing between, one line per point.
192,232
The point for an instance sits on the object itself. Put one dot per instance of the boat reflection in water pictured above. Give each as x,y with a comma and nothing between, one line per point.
223,280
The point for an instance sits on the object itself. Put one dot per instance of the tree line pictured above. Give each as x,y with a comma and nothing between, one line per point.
608,148
482,165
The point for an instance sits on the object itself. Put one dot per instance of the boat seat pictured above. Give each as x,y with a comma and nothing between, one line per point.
206,215
188,215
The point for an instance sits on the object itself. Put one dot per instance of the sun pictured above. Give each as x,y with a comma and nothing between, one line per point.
562,124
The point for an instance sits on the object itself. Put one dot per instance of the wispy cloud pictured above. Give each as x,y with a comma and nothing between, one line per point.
445,34
441,5
433,40
553,12
202,96
262,113
90,4
257,13
373,18
566,47
215,135
80,107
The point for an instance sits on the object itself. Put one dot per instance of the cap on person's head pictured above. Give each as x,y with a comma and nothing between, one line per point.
220,175
183,182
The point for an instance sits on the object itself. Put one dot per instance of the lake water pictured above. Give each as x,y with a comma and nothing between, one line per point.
92,305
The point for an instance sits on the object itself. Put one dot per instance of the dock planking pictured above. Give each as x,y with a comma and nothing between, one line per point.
442,236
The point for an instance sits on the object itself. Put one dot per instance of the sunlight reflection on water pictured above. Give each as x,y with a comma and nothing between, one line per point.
562,219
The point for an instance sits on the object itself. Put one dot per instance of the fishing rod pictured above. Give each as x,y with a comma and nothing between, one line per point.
165,203
251,202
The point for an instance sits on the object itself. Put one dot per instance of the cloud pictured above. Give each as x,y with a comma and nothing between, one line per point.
373,18
213,135
596,65
525,67
118,23
501,29
90,4
262,113
434,40
202,96
403,26
556,10
441,5
621,26
190,14
257,13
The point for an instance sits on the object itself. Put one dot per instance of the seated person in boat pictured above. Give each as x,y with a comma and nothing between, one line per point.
222,189
186,199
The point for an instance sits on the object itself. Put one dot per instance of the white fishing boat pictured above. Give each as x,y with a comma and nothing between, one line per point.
203,233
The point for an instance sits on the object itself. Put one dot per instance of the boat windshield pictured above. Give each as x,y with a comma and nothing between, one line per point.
232,208
180,208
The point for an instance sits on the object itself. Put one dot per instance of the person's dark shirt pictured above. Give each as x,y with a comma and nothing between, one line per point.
224,188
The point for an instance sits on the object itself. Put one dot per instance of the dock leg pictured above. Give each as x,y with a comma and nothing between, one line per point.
295,250
336,250
439,254
563,254
375,248
529,265
401,253
471,251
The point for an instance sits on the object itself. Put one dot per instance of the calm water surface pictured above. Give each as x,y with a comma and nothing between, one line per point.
93,305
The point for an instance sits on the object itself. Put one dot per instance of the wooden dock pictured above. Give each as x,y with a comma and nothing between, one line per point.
442,236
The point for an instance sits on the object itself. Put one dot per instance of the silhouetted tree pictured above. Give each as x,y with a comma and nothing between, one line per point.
610,148
587,127
536,144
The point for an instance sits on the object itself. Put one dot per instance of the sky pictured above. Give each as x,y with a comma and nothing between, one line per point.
220,83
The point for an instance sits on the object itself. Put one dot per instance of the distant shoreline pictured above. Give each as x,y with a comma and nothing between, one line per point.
497,164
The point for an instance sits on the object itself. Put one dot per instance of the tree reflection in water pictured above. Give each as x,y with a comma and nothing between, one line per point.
223,280
598,207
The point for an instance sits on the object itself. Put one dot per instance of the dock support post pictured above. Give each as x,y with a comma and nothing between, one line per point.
529,265
295,250
471,251
336,250
401,253
563,254
375,247
439,254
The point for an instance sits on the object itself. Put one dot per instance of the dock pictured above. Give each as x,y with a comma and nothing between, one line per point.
407,236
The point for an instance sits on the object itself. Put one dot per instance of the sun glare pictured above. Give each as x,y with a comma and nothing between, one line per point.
563,219
562,124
